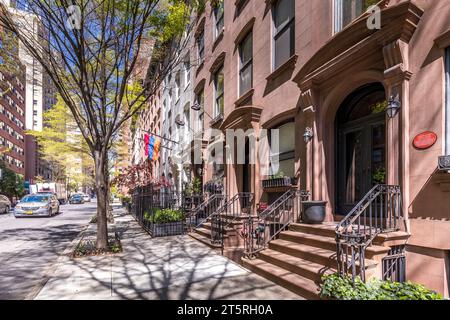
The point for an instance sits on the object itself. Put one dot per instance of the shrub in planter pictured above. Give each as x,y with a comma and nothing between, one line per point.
165,216
339,287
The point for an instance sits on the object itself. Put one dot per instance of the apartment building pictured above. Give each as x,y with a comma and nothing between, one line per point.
40,96
12,116
357,105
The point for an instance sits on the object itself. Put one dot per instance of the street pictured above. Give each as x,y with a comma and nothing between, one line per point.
30,246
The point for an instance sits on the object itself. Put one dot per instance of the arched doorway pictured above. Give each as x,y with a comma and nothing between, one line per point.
361,145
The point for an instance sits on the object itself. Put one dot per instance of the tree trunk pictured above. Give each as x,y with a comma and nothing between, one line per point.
102,185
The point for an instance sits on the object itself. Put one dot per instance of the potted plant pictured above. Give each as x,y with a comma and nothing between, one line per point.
313,212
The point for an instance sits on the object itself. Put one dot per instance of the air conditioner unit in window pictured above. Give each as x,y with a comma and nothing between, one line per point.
444,163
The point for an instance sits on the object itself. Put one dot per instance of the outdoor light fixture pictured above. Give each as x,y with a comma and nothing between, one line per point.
308,135
200,171
393,107
196,106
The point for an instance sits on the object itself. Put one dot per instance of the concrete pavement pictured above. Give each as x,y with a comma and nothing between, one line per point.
163,268
29,247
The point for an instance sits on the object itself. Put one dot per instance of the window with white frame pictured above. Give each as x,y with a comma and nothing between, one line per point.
285,155
187,70
201,47
200,100
218,18
177,86
284,31
447,101
345,11
246,64
219,92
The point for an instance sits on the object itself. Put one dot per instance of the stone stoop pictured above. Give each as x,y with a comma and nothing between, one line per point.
300,256
233,241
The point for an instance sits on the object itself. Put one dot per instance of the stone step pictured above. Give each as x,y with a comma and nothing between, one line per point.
318,255
204,240
328,230
373,252
304,287
203,232
305,268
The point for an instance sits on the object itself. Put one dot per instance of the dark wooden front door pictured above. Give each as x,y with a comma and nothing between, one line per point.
361,148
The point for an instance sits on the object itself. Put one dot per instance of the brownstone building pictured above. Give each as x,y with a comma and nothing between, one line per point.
357,105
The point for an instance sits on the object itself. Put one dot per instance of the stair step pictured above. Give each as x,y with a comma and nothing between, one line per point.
204,240
203,232
328,243
314,254
304,287
305,268
326,229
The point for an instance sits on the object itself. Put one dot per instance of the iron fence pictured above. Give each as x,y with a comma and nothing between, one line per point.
146,201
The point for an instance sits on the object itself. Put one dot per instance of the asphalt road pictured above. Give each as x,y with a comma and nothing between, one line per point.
30,246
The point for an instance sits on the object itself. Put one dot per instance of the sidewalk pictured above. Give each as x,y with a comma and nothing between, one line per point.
157,269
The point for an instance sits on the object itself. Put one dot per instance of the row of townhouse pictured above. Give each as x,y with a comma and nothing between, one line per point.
360,99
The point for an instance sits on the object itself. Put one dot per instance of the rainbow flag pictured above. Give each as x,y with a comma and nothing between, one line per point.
146,140
156,149
151,146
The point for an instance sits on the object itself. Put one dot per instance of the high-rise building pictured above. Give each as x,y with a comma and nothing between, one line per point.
12,111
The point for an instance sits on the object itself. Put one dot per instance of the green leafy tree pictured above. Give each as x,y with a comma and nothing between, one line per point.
91,54
11,184
62,146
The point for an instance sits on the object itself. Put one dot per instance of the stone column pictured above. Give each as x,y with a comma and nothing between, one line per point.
397,78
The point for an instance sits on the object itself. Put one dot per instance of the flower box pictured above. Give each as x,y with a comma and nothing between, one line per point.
166,229
278,182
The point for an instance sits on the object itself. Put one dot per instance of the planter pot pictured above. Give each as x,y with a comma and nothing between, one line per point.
167,229
313,212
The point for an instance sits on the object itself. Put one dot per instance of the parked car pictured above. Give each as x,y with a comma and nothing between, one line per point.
5,204
86,198
37,205
76,199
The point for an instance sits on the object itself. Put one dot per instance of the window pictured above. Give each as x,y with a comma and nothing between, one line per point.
218,18
201,47
284,31
187,71
177,86
286,152
219,92
200,100
246,64
345,11
447,100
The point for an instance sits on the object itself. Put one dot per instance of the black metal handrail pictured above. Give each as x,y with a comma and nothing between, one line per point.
272,221
205,210
238,206
379,211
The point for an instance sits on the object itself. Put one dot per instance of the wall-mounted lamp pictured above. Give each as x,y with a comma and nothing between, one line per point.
308,135
393,107
196,106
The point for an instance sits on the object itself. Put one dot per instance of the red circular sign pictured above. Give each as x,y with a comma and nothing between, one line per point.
425,140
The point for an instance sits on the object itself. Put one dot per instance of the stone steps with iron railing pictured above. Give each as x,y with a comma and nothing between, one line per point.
378,213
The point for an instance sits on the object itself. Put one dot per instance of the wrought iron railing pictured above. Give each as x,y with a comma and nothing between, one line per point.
394,264
273,220
237,207
205,210
278,182
378,212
